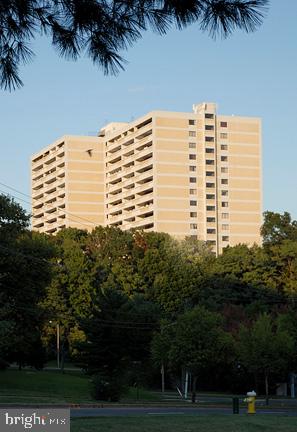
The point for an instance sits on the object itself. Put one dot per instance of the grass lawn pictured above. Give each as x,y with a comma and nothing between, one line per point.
30,386
182,423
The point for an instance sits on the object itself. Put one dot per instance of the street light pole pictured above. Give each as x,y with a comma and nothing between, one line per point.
163,377
58,345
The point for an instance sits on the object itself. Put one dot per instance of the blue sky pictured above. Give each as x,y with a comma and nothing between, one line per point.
246,74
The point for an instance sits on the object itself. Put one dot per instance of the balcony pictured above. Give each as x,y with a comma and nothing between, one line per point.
114,165
113,189
140,178
129,183
127,143
143,198
36,195
37,164
37,224
144,154
49,160
128,171
140,224
144,188
143,133
50,207
113,158
113,147
127,160
38,182
114,175
38,213
115,219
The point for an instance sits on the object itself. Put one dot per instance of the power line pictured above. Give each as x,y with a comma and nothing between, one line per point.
39,200
59,209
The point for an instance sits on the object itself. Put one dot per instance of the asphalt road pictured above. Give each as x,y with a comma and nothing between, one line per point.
159,411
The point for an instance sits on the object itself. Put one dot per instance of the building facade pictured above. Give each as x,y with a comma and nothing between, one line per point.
187,174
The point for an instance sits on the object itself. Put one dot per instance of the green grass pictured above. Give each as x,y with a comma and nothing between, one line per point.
142,395
182,423
30,386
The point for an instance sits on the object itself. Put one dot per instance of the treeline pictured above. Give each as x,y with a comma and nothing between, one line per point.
129,304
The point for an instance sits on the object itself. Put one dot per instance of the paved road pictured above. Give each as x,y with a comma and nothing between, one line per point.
158,411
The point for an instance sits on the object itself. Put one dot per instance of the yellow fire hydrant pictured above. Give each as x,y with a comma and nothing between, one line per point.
251,401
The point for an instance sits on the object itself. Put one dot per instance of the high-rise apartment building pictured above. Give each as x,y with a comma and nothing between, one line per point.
188,174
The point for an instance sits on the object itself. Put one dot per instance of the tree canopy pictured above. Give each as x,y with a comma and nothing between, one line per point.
103,28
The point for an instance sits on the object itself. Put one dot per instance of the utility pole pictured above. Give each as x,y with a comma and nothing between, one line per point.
58,346
163,377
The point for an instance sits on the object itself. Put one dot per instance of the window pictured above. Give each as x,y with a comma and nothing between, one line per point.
209,127
209,139
192,145
225,204
210,173
225,227
192,156
192,133
210,196
209,150
224,158
210,219
225,215
225,238
211,231
193,203
193,180
210,208
192,122
224,147
224,181
209,162
208,116
192,168
210,185
193,191
224,193
224,124
193,214
224,169
193,226
223,135
211,242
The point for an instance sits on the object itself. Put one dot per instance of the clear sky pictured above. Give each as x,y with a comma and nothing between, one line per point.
246,74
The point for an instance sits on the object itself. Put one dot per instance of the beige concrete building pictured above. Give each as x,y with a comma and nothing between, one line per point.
68,185
195,174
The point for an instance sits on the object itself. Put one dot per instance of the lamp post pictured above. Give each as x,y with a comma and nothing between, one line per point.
57,343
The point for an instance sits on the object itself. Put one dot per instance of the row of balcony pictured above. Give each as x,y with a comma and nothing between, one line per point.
48,178
127,139
128,156
140,223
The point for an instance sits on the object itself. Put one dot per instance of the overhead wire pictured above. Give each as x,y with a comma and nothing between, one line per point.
41,201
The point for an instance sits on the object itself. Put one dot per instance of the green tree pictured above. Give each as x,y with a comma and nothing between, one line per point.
25,271
278,227
69,295
102,29
265,349
200,344
118,331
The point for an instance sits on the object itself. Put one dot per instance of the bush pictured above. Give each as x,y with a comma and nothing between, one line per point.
3,364
107,388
